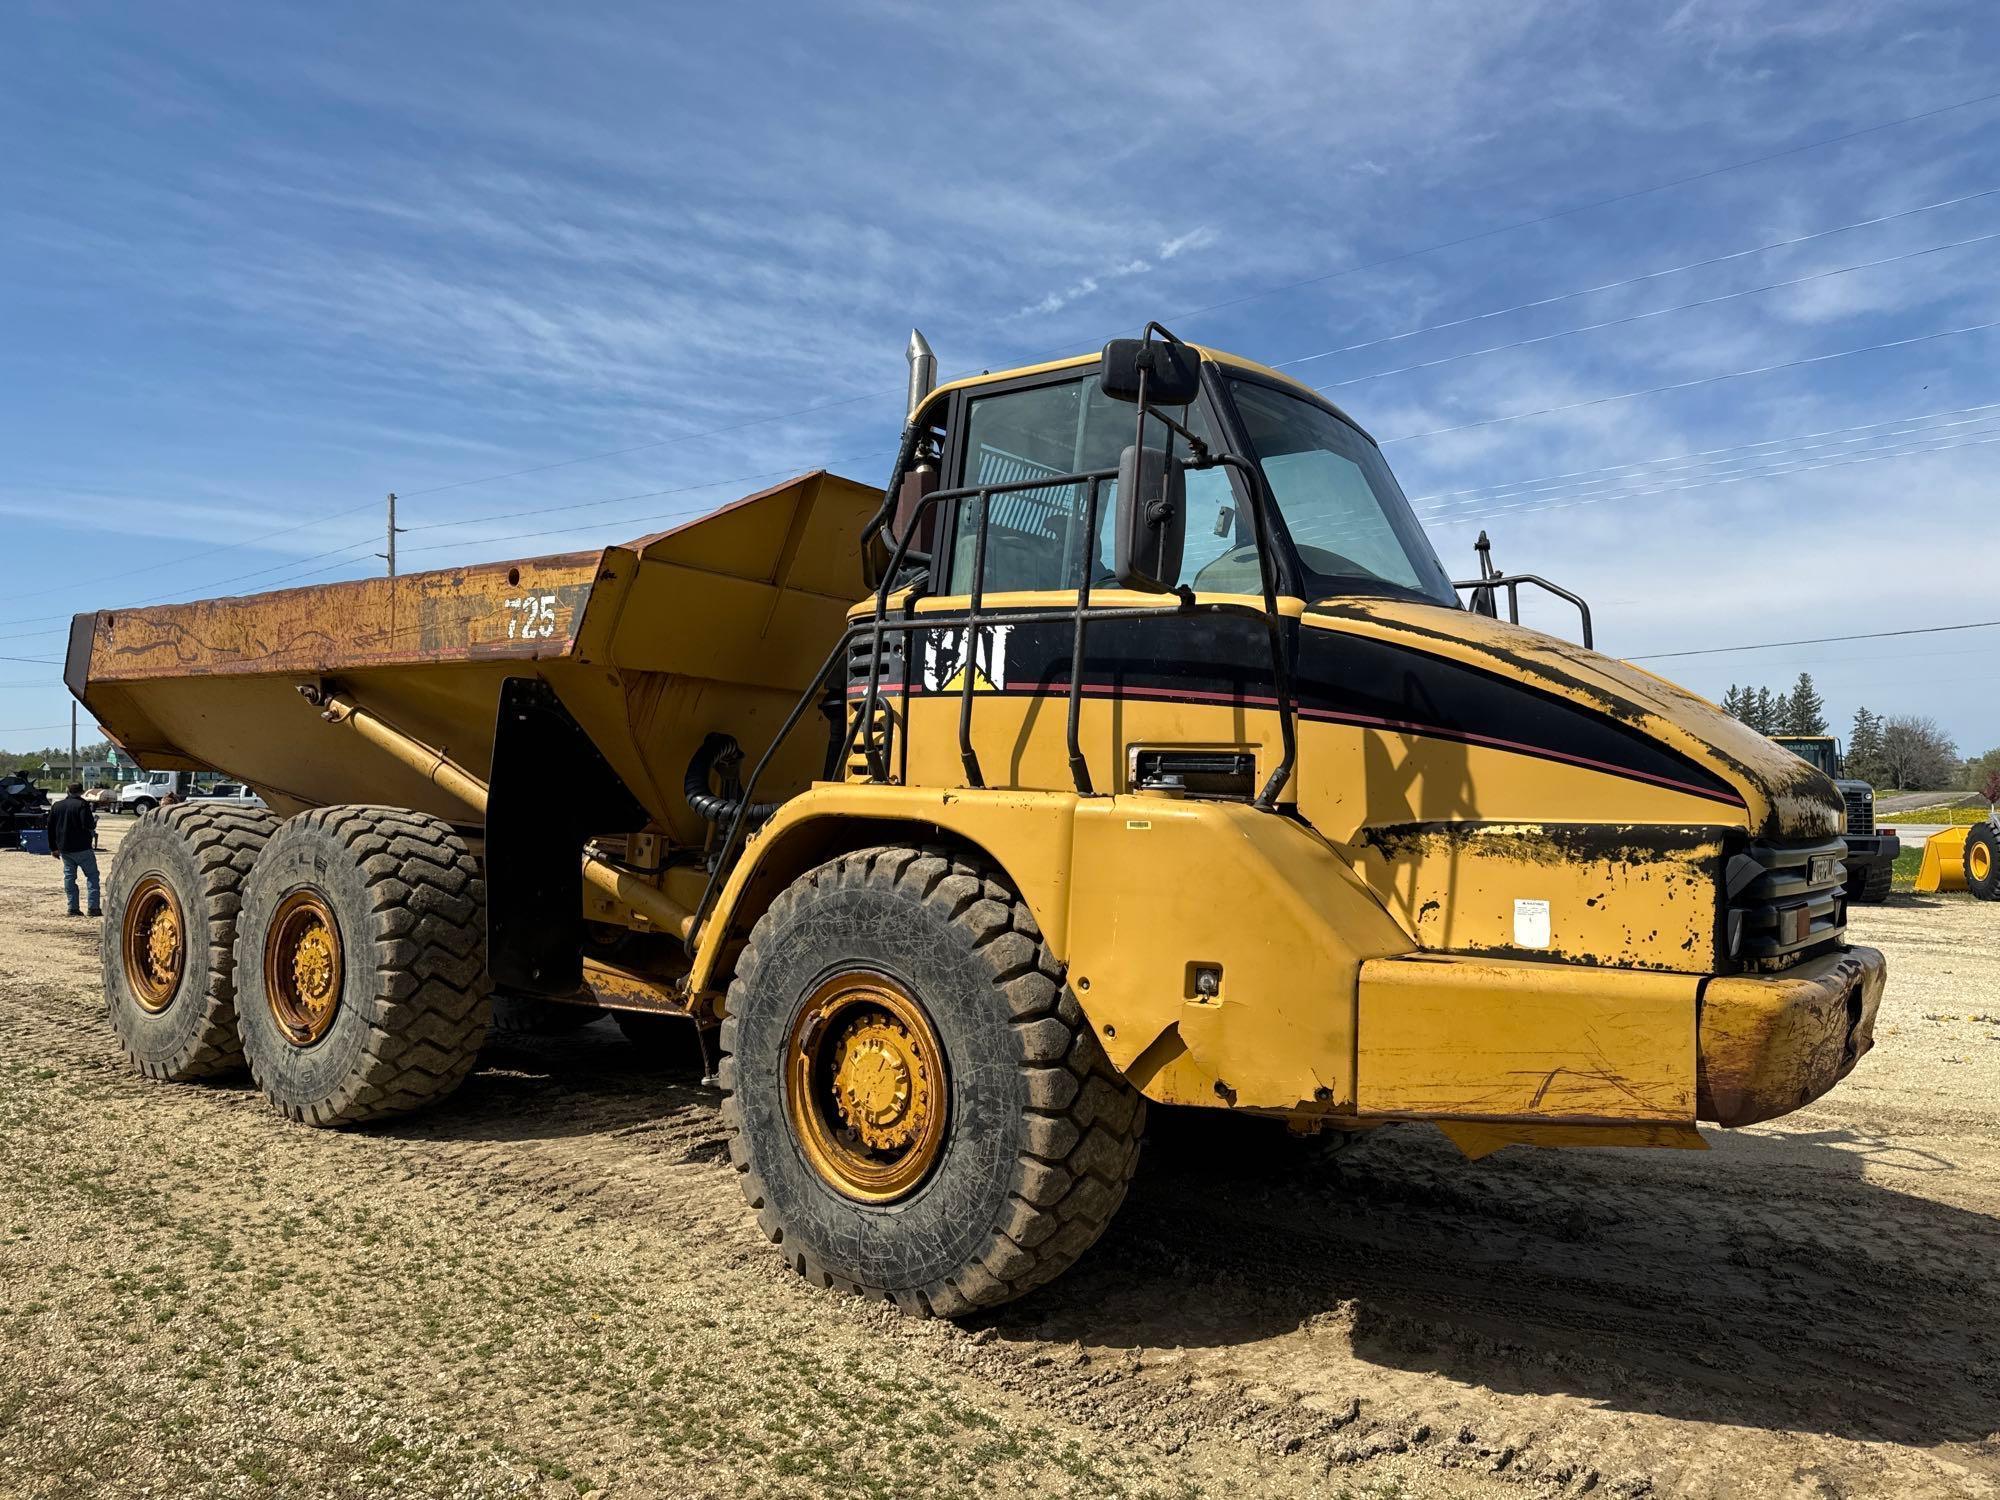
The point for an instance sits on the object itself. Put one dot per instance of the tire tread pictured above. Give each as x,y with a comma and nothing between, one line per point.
1085,1122
430,967
225,842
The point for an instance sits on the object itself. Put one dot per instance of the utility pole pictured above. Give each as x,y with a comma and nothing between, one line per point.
390,555
73,776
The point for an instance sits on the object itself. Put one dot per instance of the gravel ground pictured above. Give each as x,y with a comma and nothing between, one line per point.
549,1287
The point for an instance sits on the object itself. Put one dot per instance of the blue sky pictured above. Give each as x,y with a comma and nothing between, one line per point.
261,264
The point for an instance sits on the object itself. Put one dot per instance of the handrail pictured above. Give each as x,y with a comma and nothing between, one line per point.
1512,582
725,853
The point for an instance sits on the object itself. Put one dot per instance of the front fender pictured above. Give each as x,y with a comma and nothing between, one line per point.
1215,949
1028,834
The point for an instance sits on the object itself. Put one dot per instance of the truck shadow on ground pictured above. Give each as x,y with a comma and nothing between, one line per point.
1765,1283
582,1083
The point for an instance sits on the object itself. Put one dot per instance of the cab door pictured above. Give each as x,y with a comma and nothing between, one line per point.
1170,682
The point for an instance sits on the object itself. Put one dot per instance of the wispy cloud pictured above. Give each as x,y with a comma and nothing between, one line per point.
297,262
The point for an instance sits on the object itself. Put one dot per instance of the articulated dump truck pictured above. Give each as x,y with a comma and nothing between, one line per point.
1132,746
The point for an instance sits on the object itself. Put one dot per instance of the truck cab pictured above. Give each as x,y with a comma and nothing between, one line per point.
146,793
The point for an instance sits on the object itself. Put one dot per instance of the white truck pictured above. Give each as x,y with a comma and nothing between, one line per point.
145,794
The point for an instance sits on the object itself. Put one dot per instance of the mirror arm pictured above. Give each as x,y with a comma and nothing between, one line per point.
1196,447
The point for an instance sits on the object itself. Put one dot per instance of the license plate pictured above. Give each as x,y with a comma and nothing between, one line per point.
1821,869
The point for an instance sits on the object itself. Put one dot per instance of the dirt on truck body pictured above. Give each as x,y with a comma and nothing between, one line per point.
1132,747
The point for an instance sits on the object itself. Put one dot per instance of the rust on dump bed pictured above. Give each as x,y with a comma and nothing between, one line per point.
521,610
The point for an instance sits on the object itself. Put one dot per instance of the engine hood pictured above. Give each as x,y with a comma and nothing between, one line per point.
1783,797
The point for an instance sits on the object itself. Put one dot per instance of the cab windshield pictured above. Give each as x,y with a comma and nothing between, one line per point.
1350,526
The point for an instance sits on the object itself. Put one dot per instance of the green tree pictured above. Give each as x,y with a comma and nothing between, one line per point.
1980,769
1864,748
1805,710
1733,702
1763,715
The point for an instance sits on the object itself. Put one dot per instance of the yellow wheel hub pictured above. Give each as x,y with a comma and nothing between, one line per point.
303,967
865,1087
1979,862
879,1084
154,943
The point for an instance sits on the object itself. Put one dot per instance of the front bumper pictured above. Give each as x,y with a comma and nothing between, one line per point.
1871,849
1768,1044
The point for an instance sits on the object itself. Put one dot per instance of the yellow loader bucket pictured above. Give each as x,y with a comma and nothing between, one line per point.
1944,862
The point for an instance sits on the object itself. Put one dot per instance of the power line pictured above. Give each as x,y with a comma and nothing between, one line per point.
1682,385
173,562
1273,290
518,536
1612,286
1823,640
1776,466
1657,312
1262,292
1565,213
1706,452
177,594
1565,503
685,437
706,484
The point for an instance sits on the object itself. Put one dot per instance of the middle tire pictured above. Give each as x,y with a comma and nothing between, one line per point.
361,987
917,1106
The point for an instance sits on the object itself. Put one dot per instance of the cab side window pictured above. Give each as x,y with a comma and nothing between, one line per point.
1035,534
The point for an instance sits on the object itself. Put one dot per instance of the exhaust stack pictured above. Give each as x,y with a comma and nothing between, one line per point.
923,370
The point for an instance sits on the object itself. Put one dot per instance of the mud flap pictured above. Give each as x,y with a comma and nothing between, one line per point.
551,790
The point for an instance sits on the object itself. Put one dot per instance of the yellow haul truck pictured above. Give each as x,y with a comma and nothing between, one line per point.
1133,745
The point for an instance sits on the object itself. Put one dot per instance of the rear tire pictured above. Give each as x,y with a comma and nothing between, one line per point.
1982,862
1870,886
169,985
907,994
361,962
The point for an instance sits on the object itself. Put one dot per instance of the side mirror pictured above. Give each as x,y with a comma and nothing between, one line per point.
1173,371
1152,521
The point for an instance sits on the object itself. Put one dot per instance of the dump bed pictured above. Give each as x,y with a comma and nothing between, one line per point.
715,625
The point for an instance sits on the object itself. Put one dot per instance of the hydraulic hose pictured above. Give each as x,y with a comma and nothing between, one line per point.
720,750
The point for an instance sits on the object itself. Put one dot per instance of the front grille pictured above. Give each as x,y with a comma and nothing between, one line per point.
1860,809
1787,900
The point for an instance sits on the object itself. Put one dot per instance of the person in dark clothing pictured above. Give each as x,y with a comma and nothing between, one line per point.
73,840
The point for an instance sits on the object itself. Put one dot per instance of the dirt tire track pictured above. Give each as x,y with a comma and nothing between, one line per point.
1803,1310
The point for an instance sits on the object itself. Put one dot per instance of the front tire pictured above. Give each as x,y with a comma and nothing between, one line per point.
170,915
361,963
917,1106
1982,862
1870,886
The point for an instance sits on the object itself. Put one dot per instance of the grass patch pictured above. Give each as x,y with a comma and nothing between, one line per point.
1907,864
1947,813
